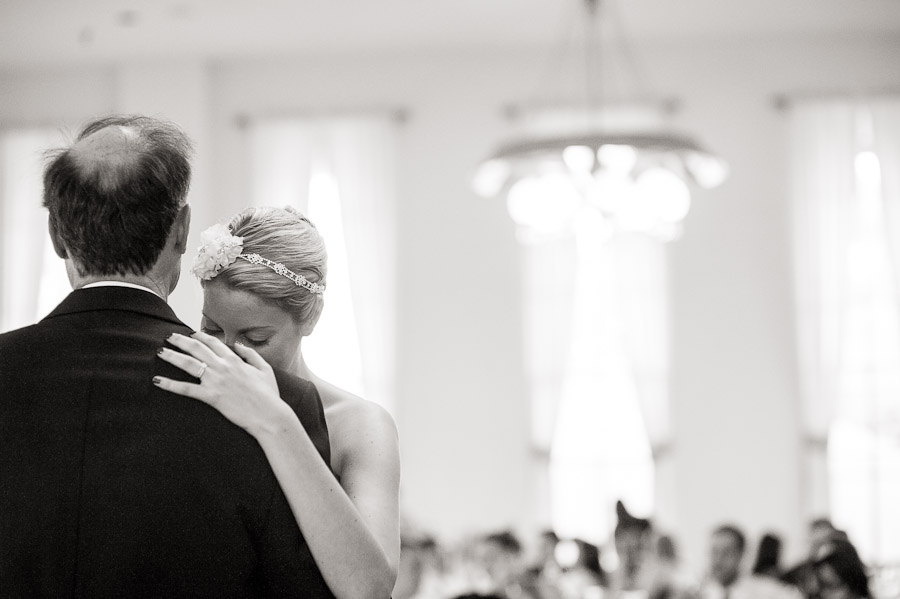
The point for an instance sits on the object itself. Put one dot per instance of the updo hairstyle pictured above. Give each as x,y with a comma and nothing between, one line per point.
282,235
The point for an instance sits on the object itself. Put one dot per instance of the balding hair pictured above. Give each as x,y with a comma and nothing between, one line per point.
114,194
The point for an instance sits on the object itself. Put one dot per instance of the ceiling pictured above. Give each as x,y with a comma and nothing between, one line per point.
66,31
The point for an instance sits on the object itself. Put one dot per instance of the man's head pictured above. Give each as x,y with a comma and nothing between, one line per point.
499,553
726,551
116,199
820,531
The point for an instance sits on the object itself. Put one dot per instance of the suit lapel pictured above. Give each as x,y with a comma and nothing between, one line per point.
115,298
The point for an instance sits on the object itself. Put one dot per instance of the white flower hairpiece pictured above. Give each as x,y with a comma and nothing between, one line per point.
219,248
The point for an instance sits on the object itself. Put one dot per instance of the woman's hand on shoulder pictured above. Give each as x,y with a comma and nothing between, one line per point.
241,386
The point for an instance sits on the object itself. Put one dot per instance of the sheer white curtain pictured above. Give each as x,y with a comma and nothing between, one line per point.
363,164
642,278
844,196
886,145
339,172
821,165
32,278
601,450
548,287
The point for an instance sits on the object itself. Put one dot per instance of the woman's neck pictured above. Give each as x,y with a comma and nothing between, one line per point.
300,368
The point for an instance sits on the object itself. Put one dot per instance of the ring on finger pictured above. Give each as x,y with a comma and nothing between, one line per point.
200,372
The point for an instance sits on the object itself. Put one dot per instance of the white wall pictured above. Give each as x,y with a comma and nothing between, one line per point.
461,394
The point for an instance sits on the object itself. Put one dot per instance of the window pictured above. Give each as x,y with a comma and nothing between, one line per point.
32,277
332,351
864,440
601,331
339,172
847,261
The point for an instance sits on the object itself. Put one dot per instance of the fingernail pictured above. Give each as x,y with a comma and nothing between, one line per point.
160,351
156,380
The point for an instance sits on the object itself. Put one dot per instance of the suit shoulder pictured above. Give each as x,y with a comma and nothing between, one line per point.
18,335
19,343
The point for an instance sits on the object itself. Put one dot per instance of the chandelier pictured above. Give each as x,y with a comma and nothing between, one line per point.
635,173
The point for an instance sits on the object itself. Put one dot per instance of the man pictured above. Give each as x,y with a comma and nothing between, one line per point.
109,486
726,552
727,547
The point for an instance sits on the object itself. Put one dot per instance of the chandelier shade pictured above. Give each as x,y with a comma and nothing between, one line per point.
592,152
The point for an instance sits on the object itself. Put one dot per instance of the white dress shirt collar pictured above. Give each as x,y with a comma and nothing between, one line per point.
121,284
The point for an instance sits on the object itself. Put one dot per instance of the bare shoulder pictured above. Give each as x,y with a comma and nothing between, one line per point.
361,431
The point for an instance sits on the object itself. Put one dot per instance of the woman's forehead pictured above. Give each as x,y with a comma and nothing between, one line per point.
239,308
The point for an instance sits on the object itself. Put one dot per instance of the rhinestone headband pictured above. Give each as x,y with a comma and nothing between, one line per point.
219,248
281,269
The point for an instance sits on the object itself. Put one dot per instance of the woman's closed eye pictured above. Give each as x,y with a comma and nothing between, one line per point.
256,342
211,331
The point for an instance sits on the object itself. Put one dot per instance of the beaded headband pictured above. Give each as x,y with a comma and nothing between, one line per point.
219,248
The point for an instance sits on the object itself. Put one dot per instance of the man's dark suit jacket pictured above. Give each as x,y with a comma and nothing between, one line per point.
111,487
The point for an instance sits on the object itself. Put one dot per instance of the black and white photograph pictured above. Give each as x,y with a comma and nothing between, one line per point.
482,299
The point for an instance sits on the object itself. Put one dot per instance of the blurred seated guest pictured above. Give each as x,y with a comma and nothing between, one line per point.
634,544
542,577
500,554
668,581
486,566
726,552
581,575
410,568
801,576
839,572
821,530
725,579
544,558
768,557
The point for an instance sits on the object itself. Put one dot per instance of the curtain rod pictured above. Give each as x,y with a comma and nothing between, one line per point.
669,106
784,100
65,125
400,115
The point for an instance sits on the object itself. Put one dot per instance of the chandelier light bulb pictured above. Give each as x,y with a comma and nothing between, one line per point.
707,170
546,203
663,194
611,191
579,159
617,158
490,177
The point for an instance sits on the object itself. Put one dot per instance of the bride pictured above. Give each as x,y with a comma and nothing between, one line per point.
263,279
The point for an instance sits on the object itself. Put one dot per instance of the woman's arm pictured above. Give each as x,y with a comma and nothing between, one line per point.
352,527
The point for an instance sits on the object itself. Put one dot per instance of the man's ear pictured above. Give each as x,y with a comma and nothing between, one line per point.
181,228
58,246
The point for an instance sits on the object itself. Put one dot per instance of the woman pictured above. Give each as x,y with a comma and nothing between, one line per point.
839,572
634,541
263,278
768,557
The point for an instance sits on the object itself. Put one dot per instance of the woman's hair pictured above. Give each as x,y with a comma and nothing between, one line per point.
628,523
768,556
285,236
